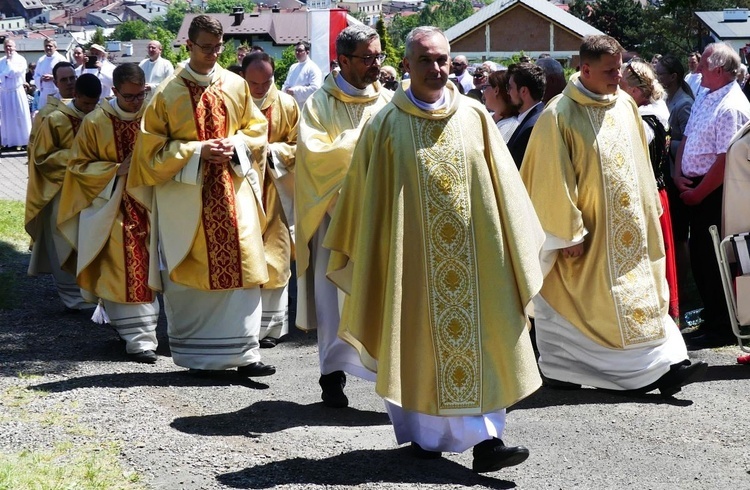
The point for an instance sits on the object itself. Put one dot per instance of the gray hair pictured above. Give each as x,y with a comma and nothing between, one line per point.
723,56
419,32
351,37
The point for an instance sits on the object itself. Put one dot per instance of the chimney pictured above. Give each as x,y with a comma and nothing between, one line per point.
239,15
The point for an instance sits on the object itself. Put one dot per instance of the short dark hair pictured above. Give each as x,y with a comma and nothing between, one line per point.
304,45
88,85
59,66
204,23
128,72
255,57
593,47
499,80
257,49
236,69
530,76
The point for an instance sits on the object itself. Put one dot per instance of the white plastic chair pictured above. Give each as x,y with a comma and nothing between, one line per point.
740,245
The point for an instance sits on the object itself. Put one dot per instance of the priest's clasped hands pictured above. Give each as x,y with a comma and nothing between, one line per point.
219,150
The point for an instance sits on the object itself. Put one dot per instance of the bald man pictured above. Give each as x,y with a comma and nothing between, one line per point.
155,67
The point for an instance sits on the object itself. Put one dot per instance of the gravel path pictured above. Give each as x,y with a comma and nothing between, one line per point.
73,384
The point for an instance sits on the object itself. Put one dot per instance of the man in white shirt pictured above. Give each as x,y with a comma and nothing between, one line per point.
155,67
693,78
43,74
304,77
103,68
460,63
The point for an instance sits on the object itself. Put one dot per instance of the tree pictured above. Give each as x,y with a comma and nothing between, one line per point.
131,29
621,19
98,37
283,65
226,6
400,27
393,54
447,13
172,20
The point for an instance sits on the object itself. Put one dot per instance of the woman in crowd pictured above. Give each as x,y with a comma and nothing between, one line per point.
497,101
639,81
671,74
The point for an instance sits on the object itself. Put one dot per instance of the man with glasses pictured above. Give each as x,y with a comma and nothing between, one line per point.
200,157
282,114
107,226
460,65
331,123
436,243
304,77
526,83
602,316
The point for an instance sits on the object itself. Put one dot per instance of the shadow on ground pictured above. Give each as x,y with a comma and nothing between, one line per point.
274,416
361,467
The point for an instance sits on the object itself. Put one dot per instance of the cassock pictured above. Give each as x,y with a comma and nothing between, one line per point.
282,113
207,220
330,127
49,158
156,71
44,66
108,227
436,244
601,319
15,118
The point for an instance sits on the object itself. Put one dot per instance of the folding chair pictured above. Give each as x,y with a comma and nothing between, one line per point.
739,317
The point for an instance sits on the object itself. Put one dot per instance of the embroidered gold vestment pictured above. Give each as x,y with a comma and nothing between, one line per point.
330,127
108,228
436,244
587,171
209,217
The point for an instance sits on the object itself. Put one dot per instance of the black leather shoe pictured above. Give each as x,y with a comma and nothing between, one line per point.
256,370
146,357
493,455
710,341
333,390
696,332
268,343
680,375
419,452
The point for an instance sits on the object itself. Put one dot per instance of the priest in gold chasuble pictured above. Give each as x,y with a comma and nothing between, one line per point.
198,166
282,113
602,316
108,228
332,120
437,246
47,163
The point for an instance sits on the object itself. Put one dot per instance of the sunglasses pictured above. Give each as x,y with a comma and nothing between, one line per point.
479,75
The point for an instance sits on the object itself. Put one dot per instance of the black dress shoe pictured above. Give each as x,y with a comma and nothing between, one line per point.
268,343
146,357
493,455
256,370
419,452
556,384
710,341
333,390
680,375
696,332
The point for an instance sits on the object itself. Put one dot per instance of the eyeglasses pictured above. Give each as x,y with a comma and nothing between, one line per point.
210,48
132,97
457,63
479,75
369,60
300,50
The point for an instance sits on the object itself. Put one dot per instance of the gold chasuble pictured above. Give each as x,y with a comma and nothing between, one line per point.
587,172
282,113
212,216
109,229
48,108
436,244
330,127
48,157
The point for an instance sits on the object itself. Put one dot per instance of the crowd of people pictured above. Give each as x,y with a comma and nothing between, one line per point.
420,226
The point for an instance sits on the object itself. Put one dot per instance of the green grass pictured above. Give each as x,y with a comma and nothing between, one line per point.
13,242
66,466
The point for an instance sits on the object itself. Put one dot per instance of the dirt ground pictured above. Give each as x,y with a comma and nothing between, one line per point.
179,432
